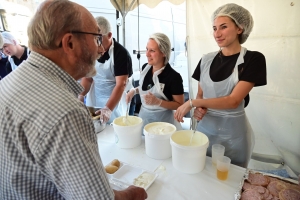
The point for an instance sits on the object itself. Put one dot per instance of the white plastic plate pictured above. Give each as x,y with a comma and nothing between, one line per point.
128,175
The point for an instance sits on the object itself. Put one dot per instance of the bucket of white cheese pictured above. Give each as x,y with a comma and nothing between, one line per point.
128,131
157,139
189,157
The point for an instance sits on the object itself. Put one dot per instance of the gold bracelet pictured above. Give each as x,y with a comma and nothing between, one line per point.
191,104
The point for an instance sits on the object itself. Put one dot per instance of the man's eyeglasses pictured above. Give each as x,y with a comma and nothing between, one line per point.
98,35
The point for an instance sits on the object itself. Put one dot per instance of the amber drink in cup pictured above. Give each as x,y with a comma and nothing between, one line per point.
223,165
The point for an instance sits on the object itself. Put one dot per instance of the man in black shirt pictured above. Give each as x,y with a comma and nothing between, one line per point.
106,89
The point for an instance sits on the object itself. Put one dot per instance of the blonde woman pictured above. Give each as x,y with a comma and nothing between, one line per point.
160,86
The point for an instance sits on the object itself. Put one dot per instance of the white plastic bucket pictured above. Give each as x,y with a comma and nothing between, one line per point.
128,134
189,159
157,139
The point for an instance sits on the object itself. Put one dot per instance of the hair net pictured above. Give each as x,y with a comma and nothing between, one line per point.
8,38
240,15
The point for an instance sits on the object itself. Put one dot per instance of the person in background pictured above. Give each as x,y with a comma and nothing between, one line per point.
3,60
16,53
48,144
160,86
226,78
107,89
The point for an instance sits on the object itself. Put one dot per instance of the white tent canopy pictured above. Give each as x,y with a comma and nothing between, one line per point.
124,6
274,109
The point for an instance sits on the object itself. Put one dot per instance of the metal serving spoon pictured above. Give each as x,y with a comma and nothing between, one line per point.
193,133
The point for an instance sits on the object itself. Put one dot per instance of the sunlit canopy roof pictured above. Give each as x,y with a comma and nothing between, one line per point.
124,6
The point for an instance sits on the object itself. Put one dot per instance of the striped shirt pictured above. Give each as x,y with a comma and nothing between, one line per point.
48,145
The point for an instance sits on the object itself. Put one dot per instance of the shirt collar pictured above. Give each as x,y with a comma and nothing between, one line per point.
47,66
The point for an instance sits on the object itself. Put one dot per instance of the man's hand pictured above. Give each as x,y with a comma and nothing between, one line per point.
131,193
104,113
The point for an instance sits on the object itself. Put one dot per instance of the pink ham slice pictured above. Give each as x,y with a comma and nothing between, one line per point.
275,187
289,194
258,179
288,185
260,189
251,194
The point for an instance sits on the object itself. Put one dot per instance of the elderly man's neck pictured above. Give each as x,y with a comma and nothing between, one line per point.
62,60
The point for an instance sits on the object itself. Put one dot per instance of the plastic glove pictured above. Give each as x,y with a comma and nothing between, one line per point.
105,114
150,99
130,95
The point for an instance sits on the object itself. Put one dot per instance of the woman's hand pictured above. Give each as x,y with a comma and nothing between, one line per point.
130,95
150,99
182,111
199,113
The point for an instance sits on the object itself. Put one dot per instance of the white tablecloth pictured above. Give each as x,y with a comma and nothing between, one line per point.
171,183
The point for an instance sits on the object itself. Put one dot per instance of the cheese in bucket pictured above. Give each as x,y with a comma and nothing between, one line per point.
128,134
189,158
157,139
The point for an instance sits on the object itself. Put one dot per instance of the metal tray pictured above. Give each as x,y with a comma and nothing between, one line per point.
238,193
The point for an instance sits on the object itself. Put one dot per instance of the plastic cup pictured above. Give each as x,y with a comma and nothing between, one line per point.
217,151
223,165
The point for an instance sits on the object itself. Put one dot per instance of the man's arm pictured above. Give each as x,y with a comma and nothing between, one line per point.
117,91
69,157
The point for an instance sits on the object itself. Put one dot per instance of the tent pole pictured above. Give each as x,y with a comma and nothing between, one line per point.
117,17
124,13
123,21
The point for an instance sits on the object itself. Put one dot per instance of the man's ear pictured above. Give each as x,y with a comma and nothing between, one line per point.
68,42
109,35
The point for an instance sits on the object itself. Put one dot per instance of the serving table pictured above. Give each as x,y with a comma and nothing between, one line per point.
171,183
